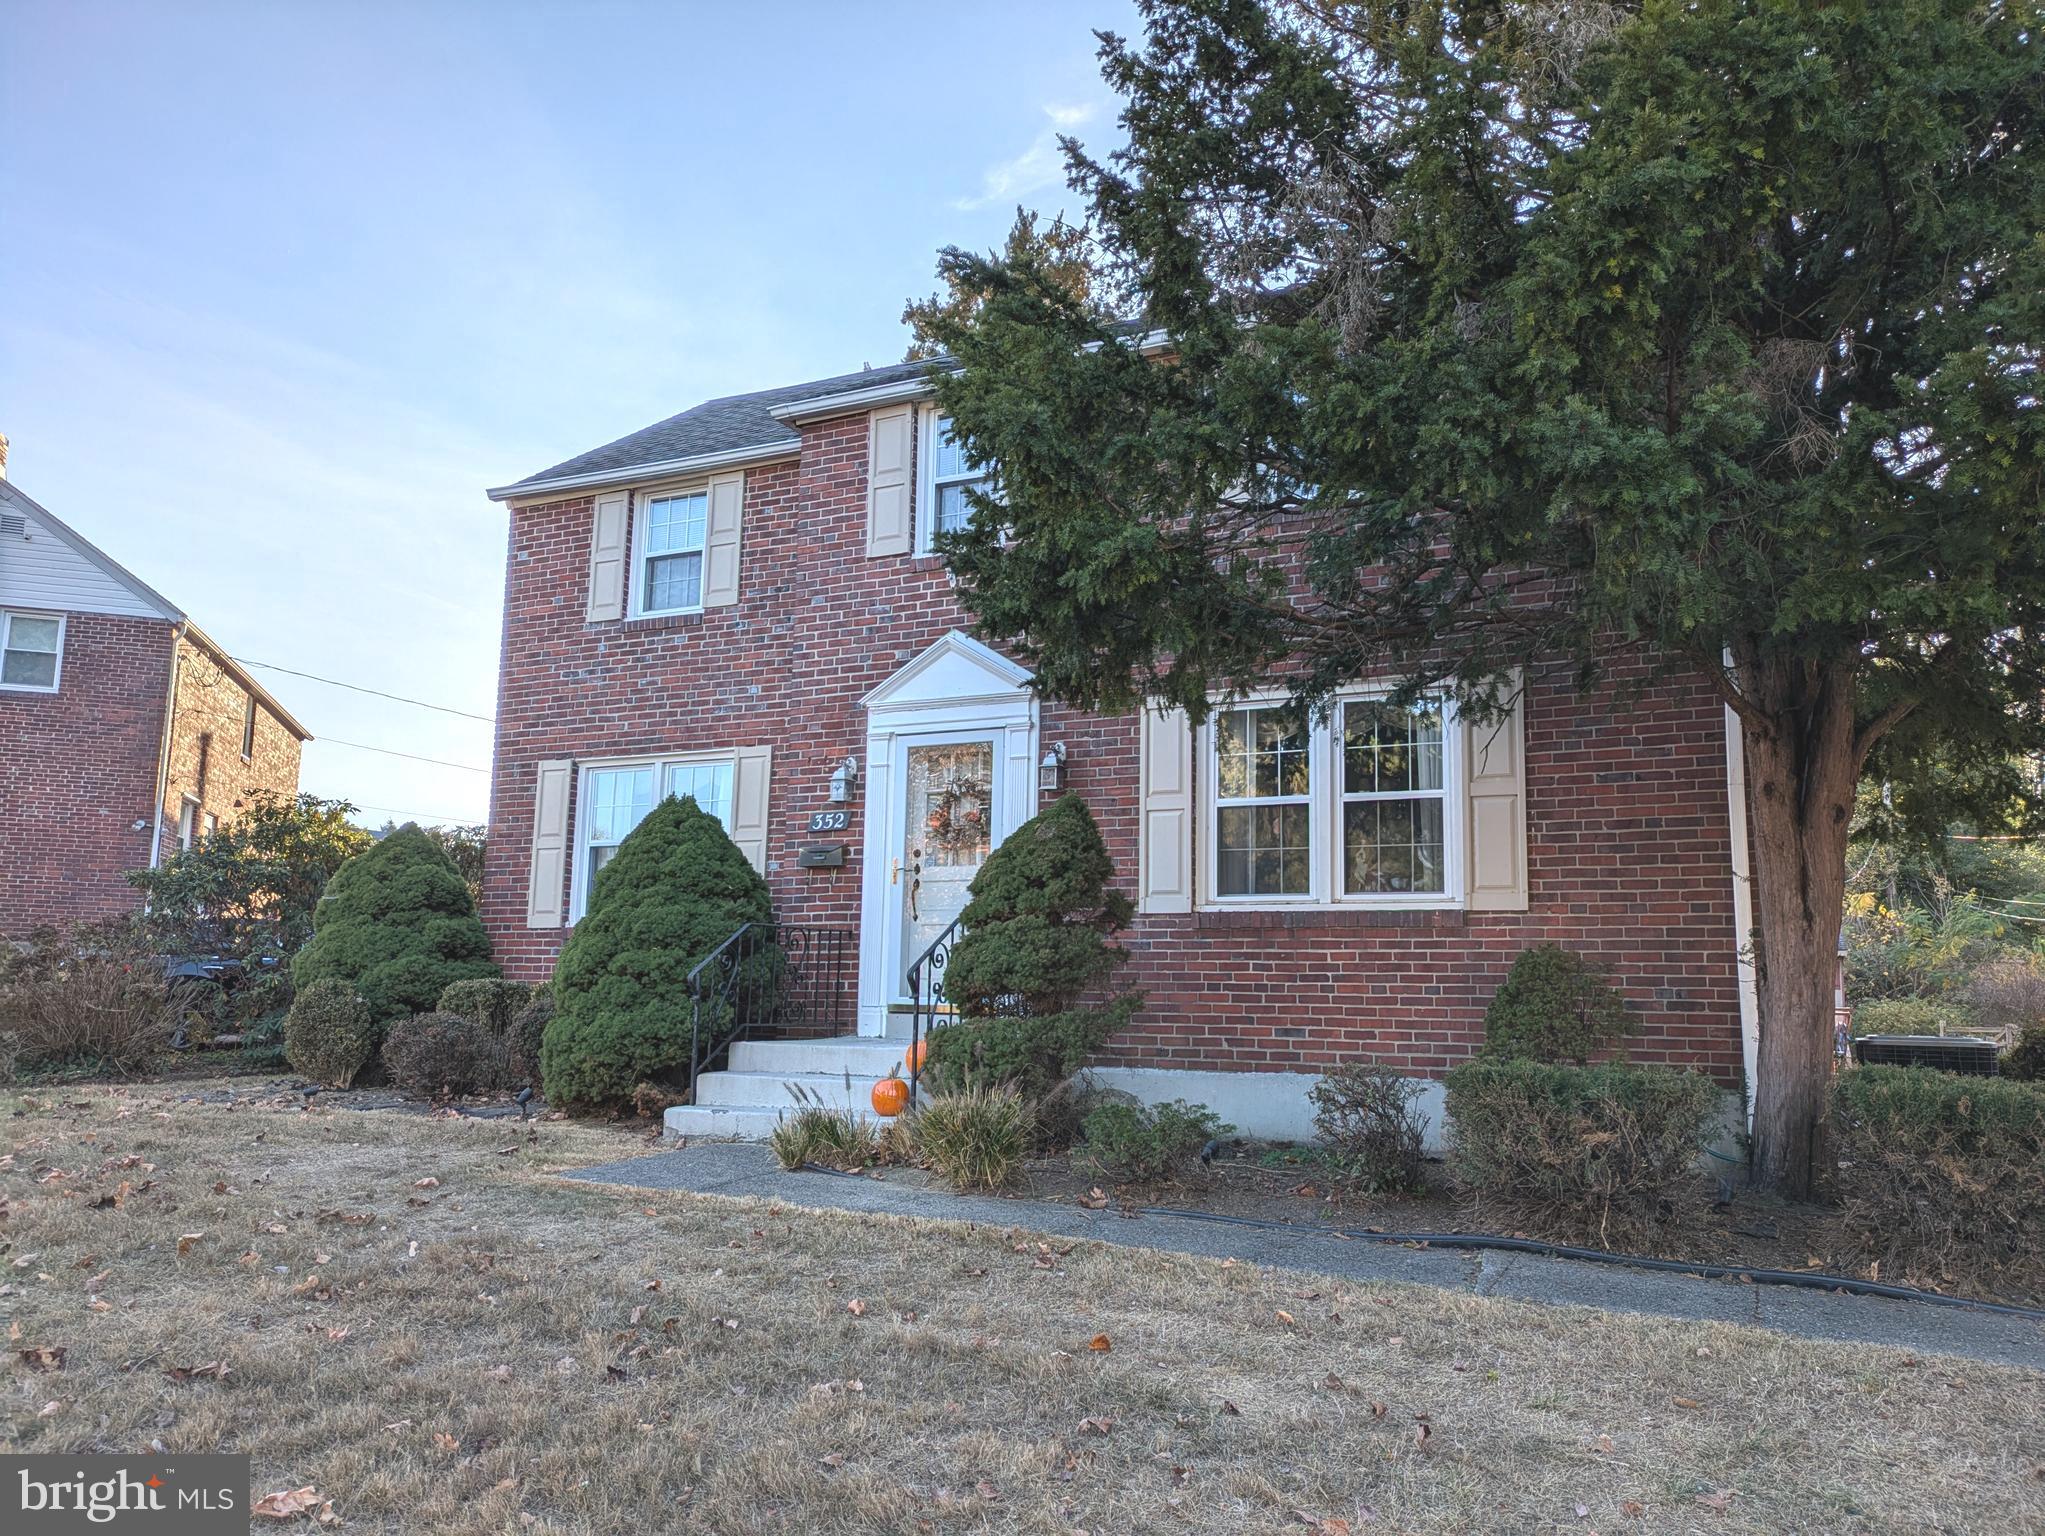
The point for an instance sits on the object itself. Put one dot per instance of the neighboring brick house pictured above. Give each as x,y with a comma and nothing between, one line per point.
739,603
124,730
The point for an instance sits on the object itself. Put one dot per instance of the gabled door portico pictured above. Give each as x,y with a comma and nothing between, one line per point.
956,728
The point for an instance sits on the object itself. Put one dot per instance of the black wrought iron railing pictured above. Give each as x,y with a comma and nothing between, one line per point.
769,975
926,997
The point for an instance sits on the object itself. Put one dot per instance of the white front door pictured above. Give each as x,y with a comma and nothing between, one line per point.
950,791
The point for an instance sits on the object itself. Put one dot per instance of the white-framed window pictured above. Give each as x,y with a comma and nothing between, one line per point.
668,532
188,822
947,477
31,651
248,729
209,824
613,798
1360,806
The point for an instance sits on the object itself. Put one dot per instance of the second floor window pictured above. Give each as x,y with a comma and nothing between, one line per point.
248,729
669,539
30,644
946,508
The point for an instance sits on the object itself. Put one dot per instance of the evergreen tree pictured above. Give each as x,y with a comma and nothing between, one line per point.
676,889
397,924
1654,336
1028,977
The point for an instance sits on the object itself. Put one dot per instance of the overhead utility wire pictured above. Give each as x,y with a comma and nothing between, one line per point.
363,746
335,682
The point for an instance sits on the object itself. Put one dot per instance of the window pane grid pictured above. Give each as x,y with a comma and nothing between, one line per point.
1264,819
671,556
28,650
1393,798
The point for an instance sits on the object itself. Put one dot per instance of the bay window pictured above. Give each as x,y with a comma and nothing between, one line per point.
1356,807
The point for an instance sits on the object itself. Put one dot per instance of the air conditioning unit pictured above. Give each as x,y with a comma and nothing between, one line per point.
1944,1053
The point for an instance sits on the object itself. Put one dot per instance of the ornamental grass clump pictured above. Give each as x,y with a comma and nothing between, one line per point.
1596,1153
675,890
975,1139
1942,1176
1031,976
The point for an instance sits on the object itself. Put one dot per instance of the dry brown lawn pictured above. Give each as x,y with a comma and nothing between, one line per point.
503,1351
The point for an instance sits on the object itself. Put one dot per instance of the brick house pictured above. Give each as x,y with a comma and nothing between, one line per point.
125,731
740,603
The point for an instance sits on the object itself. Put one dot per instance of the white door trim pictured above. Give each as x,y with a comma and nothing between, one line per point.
958,688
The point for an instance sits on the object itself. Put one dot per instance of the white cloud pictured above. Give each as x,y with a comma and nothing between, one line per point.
1041,165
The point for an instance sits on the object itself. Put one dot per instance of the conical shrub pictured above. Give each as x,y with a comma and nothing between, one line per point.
397,924
676,889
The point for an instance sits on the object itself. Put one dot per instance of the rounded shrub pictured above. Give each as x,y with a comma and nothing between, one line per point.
2025,1061
1594,1152
444,1055
1942,1176
676,889
398,925
1029,977
491,1001
330,1033
1369,1115
528,1030
1553,1005
1148,1144
1911,1016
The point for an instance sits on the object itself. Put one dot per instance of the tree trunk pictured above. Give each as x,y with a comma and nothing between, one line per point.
1803,765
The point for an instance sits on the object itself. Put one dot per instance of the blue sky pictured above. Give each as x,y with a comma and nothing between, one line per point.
287,285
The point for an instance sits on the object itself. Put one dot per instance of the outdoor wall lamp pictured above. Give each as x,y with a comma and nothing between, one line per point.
844,778
1051,771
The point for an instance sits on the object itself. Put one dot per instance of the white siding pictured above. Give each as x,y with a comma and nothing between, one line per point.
43,571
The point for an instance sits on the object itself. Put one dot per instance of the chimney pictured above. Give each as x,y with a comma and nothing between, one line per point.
3,455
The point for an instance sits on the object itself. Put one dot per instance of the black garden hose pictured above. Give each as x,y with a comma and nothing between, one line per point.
1804,1279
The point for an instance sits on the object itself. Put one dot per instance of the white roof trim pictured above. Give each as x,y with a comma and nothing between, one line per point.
1001,677
724,458
89,551
819,406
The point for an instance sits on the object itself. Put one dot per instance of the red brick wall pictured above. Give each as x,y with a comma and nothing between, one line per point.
205,746
1628,847
77,771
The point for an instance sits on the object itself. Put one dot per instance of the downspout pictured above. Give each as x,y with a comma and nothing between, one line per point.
1743,904
170,711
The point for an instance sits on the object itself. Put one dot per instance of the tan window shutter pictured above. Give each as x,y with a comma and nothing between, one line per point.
890,493
749,803
546,876
1165,827
1496,800
721,540
608,528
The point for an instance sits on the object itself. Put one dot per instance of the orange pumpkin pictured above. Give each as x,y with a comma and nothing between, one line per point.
890,1097
918,1054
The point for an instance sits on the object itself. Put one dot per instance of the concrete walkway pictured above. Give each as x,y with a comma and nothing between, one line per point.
748,1170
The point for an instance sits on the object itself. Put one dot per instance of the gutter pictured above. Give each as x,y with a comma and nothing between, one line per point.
817,407
723,458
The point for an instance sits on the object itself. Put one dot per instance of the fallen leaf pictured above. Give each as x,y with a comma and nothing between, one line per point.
1632,1507
1285,1317
428,1182
835,1459
186,1240
1100,1344
52,1406
443,1441
1096,1425
1687,1402
283,1506
219,1370
856,1307
1718,1501
43,1357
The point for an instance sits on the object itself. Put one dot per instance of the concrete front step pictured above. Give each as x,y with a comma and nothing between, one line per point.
845,1053
752,1095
